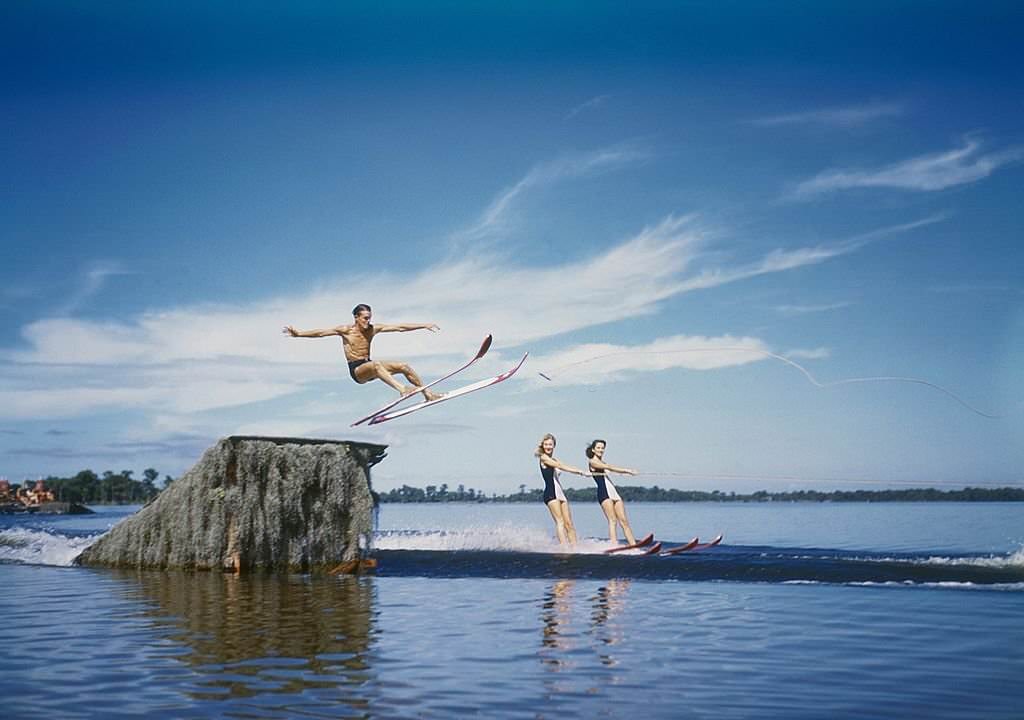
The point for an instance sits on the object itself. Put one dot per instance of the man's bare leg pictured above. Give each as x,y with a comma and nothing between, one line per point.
371,370
410,375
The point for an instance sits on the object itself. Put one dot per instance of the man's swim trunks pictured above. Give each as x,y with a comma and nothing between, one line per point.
353,364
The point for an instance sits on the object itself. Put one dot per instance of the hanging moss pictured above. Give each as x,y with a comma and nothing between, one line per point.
253,504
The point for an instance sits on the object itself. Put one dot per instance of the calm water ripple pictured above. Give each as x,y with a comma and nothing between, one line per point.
505,633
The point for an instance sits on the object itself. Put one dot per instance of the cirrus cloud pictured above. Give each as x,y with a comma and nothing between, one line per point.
934,171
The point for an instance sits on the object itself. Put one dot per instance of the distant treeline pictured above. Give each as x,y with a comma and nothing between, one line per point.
121,488
636,493
115,488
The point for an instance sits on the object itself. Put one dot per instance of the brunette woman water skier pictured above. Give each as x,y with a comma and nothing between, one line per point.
611,503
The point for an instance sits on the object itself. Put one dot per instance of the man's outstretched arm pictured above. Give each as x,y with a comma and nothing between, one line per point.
289,330
405,327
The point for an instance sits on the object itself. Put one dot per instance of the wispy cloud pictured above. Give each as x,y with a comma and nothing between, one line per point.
498,216
599,363
809,353
809,309
594,363
202,358
781,260
591,104
91,282
931,172
971,288
847,116
174,445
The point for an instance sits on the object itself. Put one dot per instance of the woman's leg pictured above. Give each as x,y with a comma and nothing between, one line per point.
570,528
620,514
609,513
556,515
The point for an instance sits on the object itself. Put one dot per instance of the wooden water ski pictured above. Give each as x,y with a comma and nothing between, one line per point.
473,387
642,543
682,548
484,347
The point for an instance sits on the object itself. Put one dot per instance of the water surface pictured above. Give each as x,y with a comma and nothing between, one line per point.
475,613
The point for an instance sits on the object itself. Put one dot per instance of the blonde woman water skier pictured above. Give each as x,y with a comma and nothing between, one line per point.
554,498
611,503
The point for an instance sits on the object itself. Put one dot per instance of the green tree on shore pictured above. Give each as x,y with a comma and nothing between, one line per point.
636,493
87,487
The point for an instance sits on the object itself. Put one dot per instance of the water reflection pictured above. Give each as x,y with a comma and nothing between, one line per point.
560,646
555,611
607,602
295,642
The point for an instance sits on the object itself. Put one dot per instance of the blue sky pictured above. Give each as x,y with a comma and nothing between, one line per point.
628,194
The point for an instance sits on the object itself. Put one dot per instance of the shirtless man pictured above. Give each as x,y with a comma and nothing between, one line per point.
356,339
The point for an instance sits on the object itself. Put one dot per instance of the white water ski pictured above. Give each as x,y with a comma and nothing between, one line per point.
473,387
484,347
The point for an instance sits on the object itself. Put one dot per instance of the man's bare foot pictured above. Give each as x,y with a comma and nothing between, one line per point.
428,394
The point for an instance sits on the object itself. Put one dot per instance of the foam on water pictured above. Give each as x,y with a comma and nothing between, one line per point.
1010,560
947,585
1015,559
502,538
38,547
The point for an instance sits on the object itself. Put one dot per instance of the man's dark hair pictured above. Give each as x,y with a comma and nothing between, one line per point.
359,308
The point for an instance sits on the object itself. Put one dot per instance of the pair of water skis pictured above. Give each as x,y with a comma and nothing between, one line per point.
650,547
389,413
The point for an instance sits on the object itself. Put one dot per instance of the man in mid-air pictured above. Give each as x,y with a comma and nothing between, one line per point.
356,339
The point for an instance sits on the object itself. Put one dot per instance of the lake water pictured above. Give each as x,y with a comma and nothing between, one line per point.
884,610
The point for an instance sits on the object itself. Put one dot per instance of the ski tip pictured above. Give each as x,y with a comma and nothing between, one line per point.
681,548
484,347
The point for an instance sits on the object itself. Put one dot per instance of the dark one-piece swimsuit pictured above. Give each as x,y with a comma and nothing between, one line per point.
552,488
603,485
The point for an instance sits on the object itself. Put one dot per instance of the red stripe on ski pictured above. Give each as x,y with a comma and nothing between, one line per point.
709,544
484,347
693,545
682,548
473,387
643,543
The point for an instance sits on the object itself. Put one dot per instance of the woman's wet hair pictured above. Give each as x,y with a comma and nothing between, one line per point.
359,308
590,447
540,446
